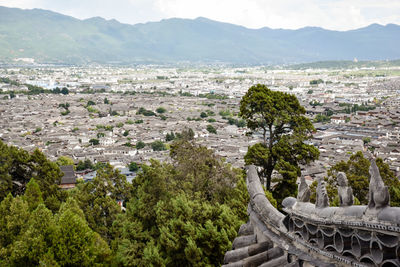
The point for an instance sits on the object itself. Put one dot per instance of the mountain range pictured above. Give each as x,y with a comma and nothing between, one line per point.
51,37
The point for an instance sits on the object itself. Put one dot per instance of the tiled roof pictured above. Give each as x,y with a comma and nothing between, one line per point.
69,175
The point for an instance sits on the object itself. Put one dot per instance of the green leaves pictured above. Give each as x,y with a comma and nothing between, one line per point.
182,214
39,237
357,172
280,119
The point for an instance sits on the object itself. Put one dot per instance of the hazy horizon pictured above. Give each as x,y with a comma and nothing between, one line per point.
339,15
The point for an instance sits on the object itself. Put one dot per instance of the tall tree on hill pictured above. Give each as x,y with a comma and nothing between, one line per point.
280,119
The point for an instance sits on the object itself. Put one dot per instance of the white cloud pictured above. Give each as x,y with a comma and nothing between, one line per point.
292,14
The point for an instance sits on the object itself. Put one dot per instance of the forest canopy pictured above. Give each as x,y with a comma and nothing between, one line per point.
186,212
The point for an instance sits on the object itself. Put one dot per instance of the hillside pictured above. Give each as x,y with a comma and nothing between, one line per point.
52,37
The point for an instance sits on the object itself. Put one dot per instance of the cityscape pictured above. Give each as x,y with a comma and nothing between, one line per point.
352,110
200,133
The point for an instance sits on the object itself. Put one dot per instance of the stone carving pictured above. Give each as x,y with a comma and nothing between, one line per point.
378,196
304,192
322,200
319,235
344,191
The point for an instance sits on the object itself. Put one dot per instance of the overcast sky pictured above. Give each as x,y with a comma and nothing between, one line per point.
289,14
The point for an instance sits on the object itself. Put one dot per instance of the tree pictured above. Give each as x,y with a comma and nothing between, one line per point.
94,141
200,171
77,244
187,134
84,165
203,115
126,133
33,195
161,110
35,244
140,145
98,199
170,137
133,167
158,146
211,129
187,235
106,101
90,103
366,140
64,161
284,128
185,213
18,167
357,172
64,91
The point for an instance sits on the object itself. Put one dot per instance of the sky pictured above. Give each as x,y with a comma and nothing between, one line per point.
287,14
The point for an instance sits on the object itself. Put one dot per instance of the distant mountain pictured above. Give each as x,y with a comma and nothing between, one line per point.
52,37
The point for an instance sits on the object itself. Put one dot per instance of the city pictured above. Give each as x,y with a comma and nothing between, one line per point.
352,110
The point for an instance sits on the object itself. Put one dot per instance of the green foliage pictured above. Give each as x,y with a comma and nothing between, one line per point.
161,110
182,214
366,140
106,101
203,115
90,103
145,112
315,82
92,109
357,172
32,238
138,121
64,91
18,167
187,134
94,141
190,231
170,137
315,103
211,129
98,199
33,195
114,113
77,244
65,112
158,146
84,165
64,161
322,118
225,113
280,118
126,133
210,113
239,123
211,120
133,167
140,145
